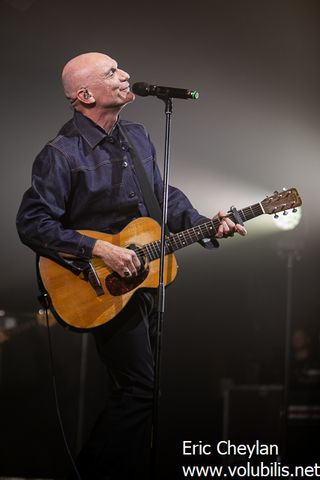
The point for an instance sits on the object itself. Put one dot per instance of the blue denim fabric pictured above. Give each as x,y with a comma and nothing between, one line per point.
85,179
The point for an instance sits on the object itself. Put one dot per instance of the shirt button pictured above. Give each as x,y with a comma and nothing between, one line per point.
125,164
132,194
111,140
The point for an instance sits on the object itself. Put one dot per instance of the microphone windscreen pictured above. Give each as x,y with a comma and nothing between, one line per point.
141,88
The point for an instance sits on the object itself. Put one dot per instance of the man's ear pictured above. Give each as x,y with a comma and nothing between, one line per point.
85,96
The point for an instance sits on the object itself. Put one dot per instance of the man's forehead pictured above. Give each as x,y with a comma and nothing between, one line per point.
110,62
107,63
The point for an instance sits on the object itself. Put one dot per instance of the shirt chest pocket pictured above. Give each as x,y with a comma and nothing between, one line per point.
104,185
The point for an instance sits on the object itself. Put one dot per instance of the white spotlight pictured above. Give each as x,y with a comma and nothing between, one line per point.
288,220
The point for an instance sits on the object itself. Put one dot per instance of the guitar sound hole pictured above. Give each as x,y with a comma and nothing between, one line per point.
117,285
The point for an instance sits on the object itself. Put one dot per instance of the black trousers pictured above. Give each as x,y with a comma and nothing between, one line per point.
120,443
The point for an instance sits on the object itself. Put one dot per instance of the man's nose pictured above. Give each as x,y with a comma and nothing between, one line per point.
123,75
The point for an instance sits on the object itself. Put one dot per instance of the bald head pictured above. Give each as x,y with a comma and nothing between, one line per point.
97,87
81,71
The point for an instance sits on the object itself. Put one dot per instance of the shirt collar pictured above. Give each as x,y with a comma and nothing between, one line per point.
90,131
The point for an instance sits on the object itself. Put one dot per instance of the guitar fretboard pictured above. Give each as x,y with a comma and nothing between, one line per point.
194,234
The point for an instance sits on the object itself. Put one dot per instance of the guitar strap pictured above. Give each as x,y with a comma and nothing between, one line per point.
148,193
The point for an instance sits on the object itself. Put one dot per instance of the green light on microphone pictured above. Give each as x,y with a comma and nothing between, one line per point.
194,95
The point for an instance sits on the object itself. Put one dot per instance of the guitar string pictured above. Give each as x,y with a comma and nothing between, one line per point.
179,240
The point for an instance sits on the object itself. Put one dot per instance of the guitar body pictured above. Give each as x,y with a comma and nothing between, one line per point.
99,294
74,300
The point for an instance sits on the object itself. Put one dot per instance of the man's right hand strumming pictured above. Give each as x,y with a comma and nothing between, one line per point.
122,260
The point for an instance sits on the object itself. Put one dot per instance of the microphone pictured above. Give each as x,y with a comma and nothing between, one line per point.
144,90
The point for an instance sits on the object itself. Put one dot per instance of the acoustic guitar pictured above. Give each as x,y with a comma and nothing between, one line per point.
96,295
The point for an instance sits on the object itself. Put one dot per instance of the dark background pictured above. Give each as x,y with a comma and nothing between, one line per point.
254,129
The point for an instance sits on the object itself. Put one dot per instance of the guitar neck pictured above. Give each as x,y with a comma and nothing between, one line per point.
199,232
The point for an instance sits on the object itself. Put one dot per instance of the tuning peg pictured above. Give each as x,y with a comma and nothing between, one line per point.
285,212
276,216
294,210
276,192
284,189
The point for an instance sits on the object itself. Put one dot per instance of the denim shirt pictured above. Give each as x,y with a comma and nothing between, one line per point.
85,179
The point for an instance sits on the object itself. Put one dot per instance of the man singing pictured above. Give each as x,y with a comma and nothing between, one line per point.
85,179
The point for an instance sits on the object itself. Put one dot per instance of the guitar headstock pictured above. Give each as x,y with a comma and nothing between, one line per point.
282,201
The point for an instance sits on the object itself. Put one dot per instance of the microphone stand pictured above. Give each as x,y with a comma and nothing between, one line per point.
161,287
289,251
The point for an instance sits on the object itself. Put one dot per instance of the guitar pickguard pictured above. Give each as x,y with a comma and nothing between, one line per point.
117,285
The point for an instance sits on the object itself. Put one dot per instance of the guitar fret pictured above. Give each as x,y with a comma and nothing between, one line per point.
180,240
248,213
149,250
169,245
191,238
210,228
153,250
144,251
253,212
257,209
243,216
194,234
157,249
173,240
187,237
198,233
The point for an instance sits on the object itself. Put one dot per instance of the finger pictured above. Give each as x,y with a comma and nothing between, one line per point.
131,268
225,227
221,214
134,264
241,230
124,272
127,271
135,260
227,224
230,223
219,233
130,262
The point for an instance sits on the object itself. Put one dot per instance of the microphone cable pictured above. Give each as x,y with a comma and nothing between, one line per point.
44,302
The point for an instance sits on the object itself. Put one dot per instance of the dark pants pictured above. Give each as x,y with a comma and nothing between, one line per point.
119,446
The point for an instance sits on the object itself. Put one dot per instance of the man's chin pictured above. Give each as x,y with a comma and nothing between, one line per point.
130,96
128,99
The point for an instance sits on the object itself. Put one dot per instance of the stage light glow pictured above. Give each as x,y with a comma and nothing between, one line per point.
229,190
289,220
